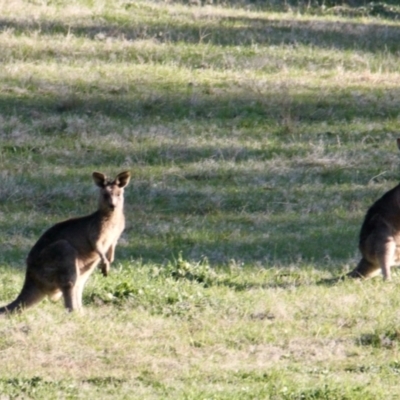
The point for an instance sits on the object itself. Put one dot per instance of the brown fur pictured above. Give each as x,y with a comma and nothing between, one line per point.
380,236
63,258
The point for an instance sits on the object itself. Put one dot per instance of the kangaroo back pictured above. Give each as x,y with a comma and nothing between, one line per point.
63,258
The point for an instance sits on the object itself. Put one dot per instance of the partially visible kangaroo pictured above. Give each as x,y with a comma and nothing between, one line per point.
380,236
63,258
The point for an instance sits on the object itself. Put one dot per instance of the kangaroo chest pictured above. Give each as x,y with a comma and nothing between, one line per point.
110,233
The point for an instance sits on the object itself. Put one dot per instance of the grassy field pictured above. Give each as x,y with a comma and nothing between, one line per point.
256,140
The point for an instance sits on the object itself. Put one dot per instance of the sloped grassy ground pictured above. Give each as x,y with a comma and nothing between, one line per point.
256,141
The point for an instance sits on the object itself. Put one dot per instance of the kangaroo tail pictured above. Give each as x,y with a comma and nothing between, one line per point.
30,295
364,269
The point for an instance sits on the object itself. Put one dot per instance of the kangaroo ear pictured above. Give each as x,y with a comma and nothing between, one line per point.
99,179
123,179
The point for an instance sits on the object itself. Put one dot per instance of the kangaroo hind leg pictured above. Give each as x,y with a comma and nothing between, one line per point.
386,257
67,279
60,268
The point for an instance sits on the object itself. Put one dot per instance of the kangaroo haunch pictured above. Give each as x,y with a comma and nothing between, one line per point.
380,236
63,258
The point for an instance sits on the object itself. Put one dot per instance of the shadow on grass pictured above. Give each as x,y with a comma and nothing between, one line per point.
246,286
226,31
289,284
222,220
295,243
240,106
306,237
333,246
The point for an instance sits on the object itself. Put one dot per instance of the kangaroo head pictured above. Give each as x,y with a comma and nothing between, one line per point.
111,192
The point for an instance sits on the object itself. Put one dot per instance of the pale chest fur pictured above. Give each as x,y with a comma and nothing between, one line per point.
109,232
